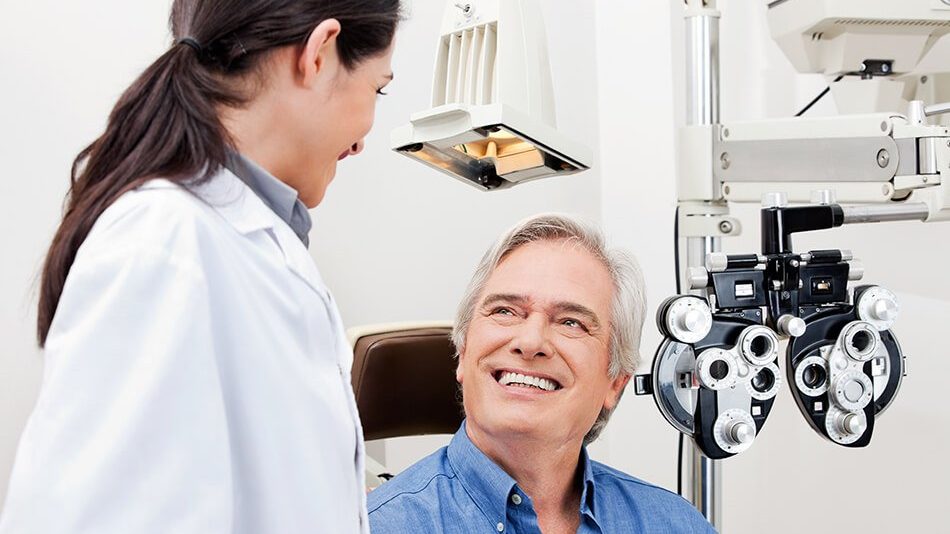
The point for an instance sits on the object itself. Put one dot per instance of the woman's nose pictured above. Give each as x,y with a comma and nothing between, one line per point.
356,148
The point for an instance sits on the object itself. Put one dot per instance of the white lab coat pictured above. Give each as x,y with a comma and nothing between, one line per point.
197,380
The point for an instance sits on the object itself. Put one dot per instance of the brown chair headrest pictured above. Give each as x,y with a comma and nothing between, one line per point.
404,382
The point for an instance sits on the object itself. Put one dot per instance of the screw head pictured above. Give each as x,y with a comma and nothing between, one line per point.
724,160
883,158
725,227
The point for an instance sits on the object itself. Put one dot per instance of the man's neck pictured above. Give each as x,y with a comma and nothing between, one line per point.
545,470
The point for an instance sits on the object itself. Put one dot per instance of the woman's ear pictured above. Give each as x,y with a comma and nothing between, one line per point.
319,56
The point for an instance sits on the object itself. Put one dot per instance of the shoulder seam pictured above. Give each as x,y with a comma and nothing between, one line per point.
408,492
619,475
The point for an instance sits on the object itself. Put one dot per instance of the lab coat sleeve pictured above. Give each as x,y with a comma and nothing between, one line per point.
130,432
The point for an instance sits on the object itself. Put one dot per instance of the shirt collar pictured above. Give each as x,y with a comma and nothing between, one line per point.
490,486
587,490
278,196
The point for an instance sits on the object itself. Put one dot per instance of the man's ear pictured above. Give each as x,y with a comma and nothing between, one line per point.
616,389
319,54
458,369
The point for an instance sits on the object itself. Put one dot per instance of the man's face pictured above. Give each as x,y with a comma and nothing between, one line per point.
536,356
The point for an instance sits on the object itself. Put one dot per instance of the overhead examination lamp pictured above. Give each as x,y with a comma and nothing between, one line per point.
492,121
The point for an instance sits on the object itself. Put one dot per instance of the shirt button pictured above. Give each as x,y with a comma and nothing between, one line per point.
516,499
500,527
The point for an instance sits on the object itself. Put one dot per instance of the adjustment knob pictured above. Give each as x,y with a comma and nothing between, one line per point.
686,319
741,433
884,310
855,270
774,200
734,431
791,326
717,262
694,321
698,278
852,424
823,197
879,307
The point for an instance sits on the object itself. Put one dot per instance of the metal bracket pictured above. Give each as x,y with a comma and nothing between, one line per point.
709,226
643,384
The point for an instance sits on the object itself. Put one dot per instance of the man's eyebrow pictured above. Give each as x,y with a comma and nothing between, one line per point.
496,298
580,309
558,307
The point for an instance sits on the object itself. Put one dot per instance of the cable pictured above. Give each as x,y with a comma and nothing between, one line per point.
679,466
817,98
676,268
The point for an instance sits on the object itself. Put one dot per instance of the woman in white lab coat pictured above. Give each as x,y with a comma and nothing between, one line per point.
197,375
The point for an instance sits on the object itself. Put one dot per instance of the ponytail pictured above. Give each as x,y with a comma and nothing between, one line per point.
165,125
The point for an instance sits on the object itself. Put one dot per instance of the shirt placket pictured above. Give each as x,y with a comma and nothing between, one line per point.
521,517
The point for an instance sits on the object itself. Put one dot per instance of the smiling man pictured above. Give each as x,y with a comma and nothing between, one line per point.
548,336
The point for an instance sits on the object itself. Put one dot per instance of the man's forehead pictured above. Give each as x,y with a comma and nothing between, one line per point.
551,270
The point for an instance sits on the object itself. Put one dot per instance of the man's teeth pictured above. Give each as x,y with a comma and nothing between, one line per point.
508,378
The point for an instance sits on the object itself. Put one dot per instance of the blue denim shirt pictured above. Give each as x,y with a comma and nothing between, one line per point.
460,490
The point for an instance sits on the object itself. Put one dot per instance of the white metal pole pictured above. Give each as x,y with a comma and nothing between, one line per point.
701,482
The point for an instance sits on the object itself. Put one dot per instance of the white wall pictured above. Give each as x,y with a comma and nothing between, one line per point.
62,66
397,241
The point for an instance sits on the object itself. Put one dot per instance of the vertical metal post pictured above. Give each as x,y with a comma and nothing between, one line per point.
701,482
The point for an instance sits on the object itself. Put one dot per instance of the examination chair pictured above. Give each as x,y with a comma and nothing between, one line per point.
404,383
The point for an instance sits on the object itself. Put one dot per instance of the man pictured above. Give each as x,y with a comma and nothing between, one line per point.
548,335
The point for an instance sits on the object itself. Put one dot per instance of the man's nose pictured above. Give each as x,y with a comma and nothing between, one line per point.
530,339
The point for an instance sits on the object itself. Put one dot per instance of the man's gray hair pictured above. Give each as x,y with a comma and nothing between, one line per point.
629,300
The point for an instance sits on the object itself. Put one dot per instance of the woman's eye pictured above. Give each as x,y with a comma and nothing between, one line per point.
380,92
502,311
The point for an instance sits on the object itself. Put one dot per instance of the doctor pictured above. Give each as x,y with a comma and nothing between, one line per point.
197,375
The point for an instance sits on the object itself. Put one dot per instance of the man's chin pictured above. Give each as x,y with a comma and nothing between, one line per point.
516,423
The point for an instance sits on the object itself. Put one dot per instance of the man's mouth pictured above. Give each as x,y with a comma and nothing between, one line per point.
510,378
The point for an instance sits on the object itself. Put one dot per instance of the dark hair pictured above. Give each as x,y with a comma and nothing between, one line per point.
166,124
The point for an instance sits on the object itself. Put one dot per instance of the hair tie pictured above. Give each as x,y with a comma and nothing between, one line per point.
191,43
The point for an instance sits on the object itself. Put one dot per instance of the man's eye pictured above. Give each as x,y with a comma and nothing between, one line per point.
574,323
502,311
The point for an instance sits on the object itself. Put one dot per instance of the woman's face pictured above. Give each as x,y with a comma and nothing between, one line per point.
333,116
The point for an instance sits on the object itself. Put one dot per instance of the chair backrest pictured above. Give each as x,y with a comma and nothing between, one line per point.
404,380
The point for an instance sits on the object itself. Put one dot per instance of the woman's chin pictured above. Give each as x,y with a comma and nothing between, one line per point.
316,195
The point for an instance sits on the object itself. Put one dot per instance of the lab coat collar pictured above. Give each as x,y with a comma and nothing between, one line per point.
231,198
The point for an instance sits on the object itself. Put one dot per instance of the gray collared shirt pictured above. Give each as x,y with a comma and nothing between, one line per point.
278,196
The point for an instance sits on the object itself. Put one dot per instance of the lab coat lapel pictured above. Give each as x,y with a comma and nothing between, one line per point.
248,214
